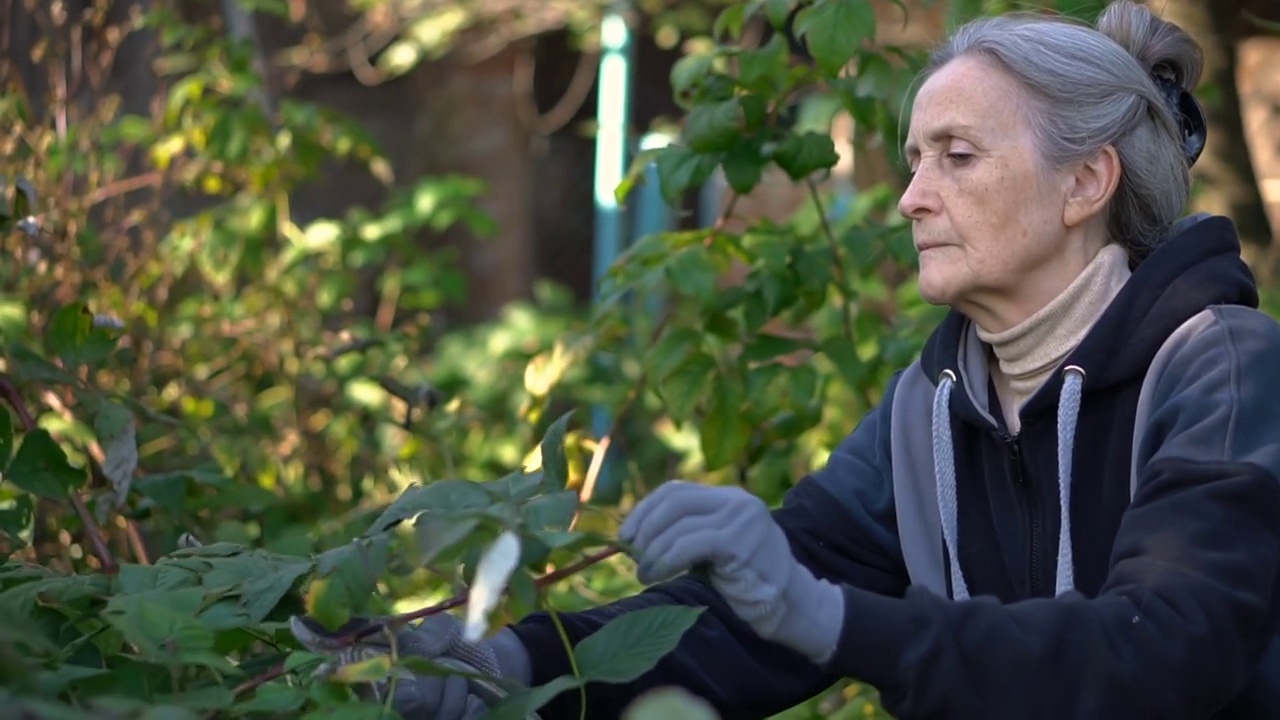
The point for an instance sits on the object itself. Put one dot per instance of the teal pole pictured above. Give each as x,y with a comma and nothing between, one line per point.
613,110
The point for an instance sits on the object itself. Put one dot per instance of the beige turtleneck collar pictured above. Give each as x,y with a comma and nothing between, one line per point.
1028,352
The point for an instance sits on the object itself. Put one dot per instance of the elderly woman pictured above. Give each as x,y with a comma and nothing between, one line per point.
1069,506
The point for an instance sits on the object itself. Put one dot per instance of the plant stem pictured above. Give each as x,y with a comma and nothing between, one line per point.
573,661
9,391
837,263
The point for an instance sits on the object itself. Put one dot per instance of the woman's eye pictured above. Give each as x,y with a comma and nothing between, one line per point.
959,158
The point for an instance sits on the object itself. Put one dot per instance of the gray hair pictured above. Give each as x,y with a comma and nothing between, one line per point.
1088,88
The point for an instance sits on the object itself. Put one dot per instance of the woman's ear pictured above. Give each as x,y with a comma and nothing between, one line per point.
1092,186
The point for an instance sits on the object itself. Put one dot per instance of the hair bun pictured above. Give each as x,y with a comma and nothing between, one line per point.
1161,47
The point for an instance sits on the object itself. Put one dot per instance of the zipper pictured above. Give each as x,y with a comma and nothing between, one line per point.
1035,552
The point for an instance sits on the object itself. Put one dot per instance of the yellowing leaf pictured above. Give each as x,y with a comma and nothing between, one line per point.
371,670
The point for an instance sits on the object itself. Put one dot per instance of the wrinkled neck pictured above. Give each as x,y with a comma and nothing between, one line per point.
1027,353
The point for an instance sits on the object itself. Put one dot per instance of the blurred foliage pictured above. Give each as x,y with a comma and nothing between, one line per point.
217,415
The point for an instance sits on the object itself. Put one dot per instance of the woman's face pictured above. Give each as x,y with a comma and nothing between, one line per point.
998,234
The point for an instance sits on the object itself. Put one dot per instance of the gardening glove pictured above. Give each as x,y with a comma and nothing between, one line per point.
437,638
683,526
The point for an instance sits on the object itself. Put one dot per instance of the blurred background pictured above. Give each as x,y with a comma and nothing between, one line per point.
349,245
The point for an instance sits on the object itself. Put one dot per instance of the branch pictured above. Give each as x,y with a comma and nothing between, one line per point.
458,600
842,280
9,391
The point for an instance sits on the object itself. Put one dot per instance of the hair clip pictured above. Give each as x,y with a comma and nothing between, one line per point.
1186,111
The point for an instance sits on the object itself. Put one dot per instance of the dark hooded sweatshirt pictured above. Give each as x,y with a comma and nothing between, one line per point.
1171,607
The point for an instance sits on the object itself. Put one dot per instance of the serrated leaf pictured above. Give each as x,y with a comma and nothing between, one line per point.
730,21
688,72
440,495
801,155
672,349
693,273
764,69
724,432
277,699
743,168
553,511
519,706
345,577
714,127
833,30
438,532
555,465
684,386
630,644
260,595
680,169
41,467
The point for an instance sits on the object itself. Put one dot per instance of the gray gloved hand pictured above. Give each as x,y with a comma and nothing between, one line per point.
681,525
437,638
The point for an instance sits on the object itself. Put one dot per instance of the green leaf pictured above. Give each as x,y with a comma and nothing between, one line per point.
768,347
671,350
630,644
41,467
519,706
275,698
714,127
693,273
440,495
680,169
555,466
800,155
552,511
844,356
730,21
437,532
345,577
777,12
764,70
686,384
688,73
724,432
6,438
16,520
833,30
67,332
743,167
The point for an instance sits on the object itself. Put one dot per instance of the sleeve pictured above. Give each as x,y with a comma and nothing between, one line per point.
1191,600
840,523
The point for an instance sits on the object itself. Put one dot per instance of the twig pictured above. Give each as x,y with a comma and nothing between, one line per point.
11,395
842,280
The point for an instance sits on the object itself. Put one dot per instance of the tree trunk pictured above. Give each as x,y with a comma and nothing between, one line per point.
1230,185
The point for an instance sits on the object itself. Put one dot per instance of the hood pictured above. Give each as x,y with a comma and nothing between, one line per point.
1197,266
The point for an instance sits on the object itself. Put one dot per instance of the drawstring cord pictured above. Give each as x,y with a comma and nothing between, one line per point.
944,467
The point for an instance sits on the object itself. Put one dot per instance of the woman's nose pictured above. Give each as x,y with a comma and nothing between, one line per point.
918,199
